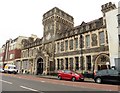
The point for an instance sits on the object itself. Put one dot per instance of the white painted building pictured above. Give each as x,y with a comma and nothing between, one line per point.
113,27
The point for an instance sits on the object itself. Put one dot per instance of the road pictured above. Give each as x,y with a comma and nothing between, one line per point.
41,85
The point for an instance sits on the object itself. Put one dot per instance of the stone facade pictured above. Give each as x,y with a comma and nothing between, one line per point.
63,46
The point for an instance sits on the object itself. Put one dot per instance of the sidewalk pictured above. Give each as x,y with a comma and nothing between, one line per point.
55,77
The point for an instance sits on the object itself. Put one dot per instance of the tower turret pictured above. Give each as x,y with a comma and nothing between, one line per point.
107,7
55,21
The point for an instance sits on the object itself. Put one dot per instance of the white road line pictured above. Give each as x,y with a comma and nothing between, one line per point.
42,81
28,88
6,82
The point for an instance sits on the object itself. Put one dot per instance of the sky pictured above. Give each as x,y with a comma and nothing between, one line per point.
24,17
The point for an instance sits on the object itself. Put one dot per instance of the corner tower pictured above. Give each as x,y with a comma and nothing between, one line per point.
55,21
106,8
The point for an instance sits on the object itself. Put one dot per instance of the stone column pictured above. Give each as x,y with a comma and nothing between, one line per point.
56,64
96,67
35,66
47,62
92,64
20,66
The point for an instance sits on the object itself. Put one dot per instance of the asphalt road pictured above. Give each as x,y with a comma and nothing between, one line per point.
31,86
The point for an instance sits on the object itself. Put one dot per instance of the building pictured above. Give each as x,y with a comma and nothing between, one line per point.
113,29
63,46
11,51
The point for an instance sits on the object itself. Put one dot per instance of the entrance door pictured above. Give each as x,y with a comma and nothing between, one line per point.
40,66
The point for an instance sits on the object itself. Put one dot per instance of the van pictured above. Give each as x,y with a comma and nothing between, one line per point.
10,68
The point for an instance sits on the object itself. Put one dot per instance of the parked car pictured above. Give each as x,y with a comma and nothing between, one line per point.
10,68
107,75
70,75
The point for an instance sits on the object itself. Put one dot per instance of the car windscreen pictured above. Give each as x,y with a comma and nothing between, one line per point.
11,67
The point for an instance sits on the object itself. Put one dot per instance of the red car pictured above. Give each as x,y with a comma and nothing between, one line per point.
70,75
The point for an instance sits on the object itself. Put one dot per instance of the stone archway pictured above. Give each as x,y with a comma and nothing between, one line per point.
100,62
40,66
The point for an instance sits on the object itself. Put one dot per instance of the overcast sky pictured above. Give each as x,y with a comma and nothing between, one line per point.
24,17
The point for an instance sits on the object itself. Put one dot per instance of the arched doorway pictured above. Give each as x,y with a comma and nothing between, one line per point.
102,61
39,66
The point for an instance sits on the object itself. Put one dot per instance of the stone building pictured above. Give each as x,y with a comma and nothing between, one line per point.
63,46
10,52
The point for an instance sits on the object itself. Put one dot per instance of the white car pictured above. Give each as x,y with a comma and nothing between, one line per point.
10,68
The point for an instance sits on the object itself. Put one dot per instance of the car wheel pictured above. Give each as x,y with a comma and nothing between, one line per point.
73,79
98,80
59,77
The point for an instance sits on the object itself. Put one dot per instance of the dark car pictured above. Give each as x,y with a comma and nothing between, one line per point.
107,75
70,75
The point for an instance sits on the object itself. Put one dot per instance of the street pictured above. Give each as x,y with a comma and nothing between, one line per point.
34,84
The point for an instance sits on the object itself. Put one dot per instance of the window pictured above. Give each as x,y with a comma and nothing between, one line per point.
102,72
58,64
66,63
76,43
88,58
0,51
47,28
1,58
58,47
11,56
77,63
87,41
62,46
71,63
67,71
13,46
101,38
71,44
59,27
113,72
119,20
62,64
66,45
119,39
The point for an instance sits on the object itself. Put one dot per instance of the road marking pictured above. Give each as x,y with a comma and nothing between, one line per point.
42,81
6,82
28,88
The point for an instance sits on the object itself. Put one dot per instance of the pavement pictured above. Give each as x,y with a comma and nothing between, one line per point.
55,77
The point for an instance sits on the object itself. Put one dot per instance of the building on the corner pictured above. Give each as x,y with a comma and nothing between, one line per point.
63,46
11,51
113,29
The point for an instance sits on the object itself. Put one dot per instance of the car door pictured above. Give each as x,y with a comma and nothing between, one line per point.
113,75
67,74
104,74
